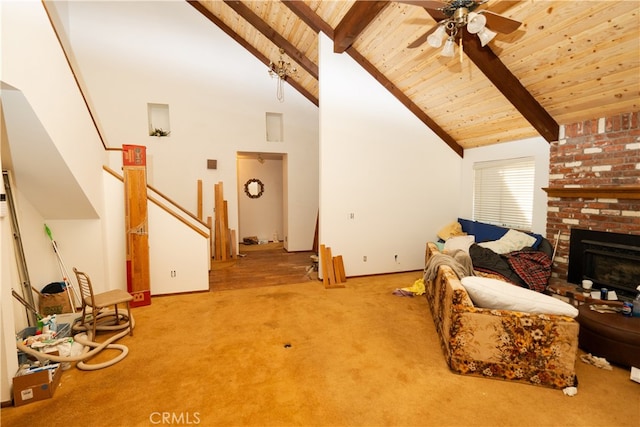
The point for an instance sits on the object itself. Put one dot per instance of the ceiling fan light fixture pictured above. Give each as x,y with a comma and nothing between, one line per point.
449,48
435,38
476,22
485,35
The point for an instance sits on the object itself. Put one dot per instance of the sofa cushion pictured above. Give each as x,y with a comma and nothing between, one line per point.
496,294
451,230
513,240
459,242
486,232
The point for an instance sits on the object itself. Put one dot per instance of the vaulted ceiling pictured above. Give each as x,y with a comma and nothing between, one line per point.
569,60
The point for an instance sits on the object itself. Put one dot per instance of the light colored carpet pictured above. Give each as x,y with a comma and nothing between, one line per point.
303,355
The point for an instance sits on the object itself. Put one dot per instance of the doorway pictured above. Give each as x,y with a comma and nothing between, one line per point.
261,197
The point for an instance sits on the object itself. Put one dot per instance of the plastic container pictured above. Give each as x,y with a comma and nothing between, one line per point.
63,331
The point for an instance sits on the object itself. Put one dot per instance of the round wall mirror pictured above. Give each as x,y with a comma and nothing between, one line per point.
254,188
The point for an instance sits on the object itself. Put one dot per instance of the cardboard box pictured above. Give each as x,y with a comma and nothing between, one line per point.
54,304
36,386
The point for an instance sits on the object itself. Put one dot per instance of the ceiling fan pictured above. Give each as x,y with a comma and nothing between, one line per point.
455,15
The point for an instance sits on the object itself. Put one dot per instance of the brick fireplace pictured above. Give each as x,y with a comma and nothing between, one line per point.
594,181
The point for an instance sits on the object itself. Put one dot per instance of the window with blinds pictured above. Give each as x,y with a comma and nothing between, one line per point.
503,192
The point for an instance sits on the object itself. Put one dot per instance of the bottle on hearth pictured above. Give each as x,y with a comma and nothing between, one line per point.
636,303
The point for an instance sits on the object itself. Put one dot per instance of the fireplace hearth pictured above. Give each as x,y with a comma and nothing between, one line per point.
610,260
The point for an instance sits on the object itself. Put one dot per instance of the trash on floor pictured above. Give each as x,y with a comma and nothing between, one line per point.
598,362
416,289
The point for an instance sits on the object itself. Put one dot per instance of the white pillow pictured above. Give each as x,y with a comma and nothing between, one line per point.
459,242
486,292
513,240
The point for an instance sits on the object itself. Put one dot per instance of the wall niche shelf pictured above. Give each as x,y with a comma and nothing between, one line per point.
274,127
612,192
158,116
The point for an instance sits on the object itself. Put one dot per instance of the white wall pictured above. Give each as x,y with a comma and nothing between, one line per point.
537,148
379,162
133,53
33,63
114,231
173,270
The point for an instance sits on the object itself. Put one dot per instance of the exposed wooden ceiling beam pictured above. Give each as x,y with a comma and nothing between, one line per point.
502,78
213,18
309,17
245,12
354,22
405,100
495,70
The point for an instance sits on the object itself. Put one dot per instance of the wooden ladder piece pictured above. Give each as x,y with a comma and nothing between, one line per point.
338,266
221,224
224,223
234,245
216,223
212,243
323,265
328,270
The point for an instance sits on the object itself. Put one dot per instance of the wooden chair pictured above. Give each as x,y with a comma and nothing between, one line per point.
97,302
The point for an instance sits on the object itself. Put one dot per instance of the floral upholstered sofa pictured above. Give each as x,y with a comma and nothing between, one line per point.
539,349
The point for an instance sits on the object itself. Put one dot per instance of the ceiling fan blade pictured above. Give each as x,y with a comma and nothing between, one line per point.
501,24
436,14
425,4
423,38
432,7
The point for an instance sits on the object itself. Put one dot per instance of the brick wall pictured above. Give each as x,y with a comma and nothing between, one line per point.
593,153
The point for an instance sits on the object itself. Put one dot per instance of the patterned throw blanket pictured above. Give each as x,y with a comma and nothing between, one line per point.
533,267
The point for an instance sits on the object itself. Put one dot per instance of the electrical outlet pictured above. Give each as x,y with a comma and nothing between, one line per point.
352,215
396,258
364,258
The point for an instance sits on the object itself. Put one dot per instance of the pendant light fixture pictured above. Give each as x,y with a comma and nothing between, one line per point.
281,70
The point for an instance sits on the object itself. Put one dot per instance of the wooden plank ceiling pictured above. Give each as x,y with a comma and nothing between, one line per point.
569,60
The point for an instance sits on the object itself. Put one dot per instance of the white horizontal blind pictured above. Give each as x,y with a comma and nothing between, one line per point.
503,192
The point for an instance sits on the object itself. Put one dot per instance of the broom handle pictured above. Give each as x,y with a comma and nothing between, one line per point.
65,276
